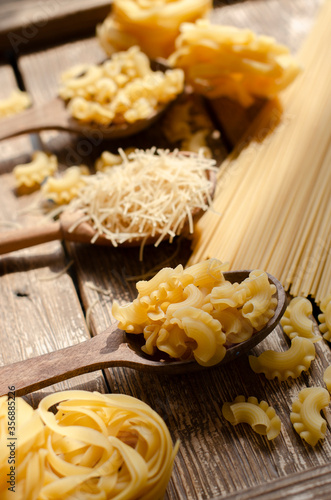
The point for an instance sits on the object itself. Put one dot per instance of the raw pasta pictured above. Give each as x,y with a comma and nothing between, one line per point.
195,312
296,321
122,89
15,103
305,415
325,318
63,189
30,176
282,365
137,22
232,62
260,416
95,446
151,194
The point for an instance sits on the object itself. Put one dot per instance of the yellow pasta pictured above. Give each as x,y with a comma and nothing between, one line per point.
228,61
260,416
15,103
325,318
30,176
282,365
195,312
260,306
137,22
95,446
327,378
63,189
122,89
305,415
296,321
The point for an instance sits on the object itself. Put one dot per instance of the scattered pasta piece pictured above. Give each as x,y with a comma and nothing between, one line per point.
325,318
282,365
122,89
195,312
63,189
95,446
152,194
232,62
137,22
15,103
260,416
305,415
30,176
327,378
296,320
107,160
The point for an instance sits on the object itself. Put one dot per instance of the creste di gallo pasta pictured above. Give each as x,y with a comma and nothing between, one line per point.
108,446
153,25
297,321
29,176
121,89
325,317
195,312
65,187
16,102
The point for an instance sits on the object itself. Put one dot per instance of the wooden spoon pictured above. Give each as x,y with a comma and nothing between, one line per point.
54,115
25,237
114,347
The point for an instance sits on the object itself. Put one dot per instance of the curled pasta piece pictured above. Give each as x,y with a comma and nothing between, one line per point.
305,415
228,295
325,318
30,176
236,328
260,306
63,189
296,321
260,416
282,365
327,378
15,103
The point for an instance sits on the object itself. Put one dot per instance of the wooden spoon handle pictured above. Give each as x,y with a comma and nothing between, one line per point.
48,116
38,372
29,236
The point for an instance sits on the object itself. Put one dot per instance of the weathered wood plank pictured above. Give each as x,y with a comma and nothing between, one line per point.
38,313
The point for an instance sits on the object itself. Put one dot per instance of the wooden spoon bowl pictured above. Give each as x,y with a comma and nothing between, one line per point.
114,347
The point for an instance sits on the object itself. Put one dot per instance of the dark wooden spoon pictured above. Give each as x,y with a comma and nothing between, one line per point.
114,347
54,115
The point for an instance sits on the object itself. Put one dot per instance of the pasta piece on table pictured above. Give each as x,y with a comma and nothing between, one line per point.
325,318
30,176
296,321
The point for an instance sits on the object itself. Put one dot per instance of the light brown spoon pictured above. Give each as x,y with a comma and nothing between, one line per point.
54,115
112,348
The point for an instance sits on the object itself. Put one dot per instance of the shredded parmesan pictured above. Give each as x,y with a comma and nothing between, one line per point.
152,194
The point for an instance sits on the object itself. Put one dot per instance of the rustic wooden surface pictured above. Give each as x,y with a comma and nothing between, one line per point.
39,314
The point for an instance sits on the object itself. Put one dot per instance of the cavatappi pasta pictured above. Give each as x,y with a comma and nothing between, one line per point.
152,25
30,176
108,446
15,103
228,61
325,318
297,322
305,415
260,416
122,89
151,194
272,207
195,312
282,365
64,188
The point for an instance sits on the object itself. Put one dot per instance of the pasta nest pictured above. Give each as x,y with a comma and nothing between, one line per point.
259,415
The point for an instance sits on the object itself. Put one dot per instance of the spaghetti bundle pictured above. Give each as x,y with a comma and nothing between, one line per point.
273,197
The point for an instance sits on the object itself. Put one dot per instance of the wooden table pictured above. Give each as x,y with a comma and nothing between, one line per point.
55,295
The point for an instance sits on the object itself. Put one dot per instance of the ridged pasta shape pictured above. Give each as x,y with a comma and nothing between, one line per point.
296,321
306,417
325,318
327,378
182,312
31,175
260,306
282,365
15,103
260,416
63,189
